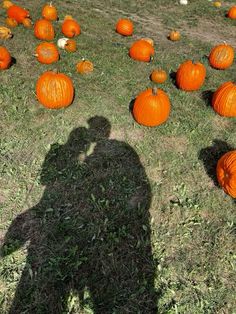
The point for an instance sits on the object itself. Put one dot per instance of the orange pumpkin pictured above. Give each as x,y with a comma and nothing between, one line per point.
232,13
124,27
5,58
158,76
43,29
27,23
221,56
174,35
226,173
7,4
190,76
70,45
49,12
54,90
11,22
141,50
224,100
70,28
151,107
47,53
17,13
84,67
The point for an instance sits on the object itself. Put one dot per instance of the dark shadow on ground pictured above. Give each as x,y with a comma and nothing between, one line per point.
89,232
207,97
210,156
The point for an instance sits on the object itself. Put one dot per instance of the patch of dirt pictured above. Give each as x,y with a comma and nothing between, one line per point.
212,32
173,143
220,123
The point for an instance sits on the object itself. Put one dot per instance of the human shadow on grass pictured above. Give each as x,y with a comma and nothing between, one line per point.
90,232
210,156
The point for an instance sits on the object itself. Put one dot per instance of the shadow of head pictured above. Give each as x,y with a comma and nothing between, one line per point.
99,128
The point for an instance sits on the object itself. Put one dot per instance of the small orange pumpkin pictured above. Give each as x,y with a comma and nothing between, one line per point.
174,35
43,29
141,50
7,4
47,53
232,13
49,12
84,67
11,22
190,76
5,58
158,76
149,40
70,45
224,100
221,57
151,107
226,173
17,13
70,28
124,27
54,90
27,23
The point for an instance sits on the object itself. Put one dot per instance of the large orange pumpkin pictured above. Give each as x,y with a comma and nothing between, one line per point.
221,56
151,107
49,12
141,50
43,29
5,58
54,90
226,173
224,100
70,28
190,76
17,13
232,13
47,53
124,27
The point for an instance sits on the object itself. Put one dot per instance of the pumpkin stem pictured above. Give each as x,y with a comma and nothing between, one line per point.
35,55
154,91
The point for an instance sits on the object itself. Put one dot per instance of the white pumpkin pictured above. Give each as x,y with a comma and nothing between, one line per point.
61,43
183,2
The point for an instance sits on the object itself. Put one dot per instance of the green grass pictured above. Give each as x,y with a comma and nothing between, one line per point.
133,224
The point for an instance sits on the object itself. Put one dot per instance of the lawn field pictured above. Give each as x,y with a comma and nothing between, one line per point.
99,214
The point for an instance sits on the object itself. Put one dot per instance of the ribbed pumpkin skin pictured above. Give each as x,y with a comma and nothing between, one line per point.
226,173
124,27
17,13
43,30
221,57
70,28
84,67
150,109
54,90
141,50
49,12
70,45
5,58
224,100
232,12
190,76
47,53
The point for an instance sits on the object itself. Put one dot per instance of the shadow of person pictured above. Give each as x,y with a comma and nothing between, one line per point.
210,156
90,232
